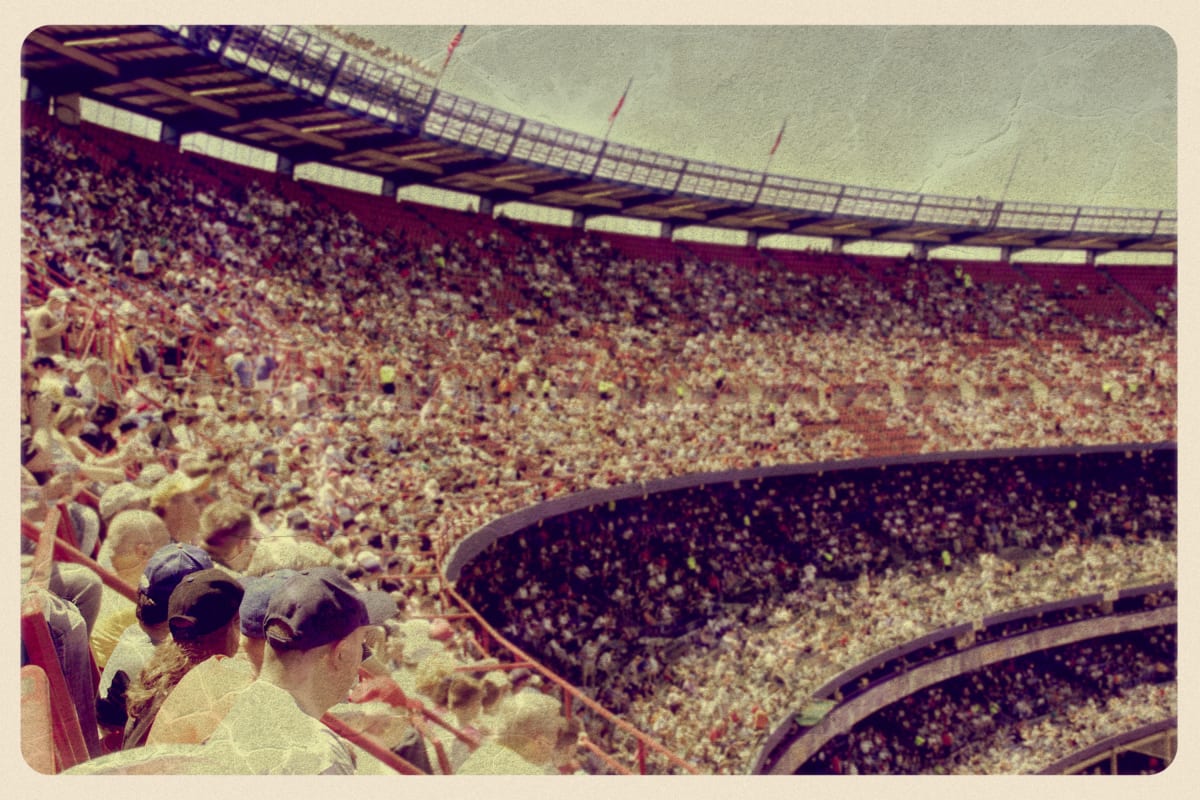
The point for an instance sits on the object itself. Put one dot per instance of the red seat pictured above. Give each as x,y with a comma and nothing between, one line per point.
37,725
66,736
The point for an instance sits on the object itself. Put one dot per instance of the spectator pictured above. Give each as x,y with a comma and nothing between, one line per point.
501,343
315,626
527,741
164,571
205,694
47,324
175,499
226,534
203,618
58,449
133,537
69,635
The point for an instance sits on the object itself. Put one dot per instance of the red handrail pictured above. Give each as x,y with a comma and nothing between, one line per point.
70,553
644,741
371,745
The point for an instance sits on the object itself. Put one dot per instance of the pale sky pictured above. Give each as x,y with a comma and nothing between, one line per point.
1078,115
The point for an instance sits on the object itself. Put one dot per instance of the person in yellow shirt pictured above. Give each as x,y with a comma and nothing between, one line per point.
387,378
133,537
165,569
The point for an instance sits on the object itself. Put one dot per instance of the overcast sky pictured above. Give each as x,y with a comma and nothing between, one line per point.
1076,115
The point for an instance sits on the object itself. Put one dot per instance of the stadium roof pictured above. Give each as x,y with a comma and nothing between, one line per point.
286,90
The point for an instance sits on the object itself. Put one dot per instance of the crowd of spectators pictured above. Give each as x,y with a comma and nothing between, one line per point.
366,396
1015,716
745,597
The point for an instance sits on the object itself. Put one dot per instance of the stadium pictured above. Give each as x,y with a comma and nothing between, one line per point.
736,508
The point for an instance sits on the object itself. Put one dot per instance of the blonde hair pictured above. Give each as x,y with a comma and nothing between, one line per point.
171,661
530,715
174,485
134,527
287,552
223,524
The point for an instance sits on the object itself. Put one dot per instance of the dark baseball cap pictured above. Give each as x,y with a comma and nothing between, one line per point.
259,590
164,570
319,606
203,602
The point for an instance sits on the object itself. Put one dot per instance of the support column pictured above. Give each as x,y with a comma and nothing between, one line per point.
920,251
578,219
1089,257
752,239
285,166
1006,255
836,243
666,230
34,93
389,189
66,108
169,134
487,206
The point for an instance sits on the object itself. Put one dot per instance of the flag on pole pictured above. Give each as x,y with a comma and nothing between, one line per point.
621,102
778,138
453,44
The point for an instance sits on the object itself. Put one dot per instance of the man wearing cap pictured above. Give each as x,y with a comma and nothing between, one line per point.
202,614
204,696
164,571
315,629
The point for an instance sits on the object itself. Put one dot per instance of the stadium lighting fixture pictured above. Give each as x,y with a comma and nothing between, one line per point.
319,128
214,90
516,176
94,40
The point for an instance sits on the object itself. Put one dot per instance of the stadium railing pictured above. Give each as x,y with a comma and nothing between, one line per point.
844,701
1162,738
572,698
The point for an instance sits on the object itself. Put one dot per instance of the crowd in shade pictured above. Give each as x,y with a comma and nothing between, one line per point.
741,599
1017,716
227,360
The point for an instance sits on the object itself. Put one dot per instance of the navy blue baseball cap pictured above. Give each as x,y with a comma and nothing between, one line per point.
202,603
258,595
319,606
164,570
